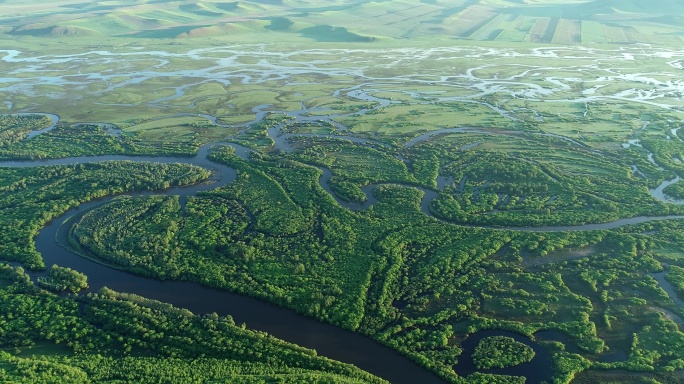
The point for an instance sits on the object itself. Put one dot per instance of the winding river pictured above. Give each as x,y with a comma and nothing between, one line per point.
54,118
538,370
223,66
328,340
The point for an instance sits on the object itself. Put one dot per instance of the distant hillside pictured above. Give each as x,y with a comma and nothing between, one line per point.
51,30
536,21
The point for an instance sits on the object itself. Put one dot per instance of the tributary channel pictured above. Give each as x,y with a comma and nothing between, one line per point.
326,339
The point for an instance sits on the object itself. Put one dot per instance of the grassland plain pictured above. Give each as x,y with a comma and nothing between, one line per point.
443,142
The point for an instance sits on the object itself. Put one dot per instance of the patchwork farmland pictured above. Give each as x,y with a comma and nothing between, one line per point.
578,22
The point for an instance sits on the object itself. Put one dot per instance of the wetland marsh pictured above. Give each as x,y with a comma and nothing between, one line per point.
387,204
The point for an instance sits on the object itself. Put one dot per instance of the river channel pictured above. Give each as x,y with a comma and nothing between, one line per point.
328,340
538,370
224,66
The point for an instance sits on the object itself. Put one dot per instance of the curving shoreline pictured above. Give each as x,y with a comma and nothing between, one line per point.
328,340
281,143
273,319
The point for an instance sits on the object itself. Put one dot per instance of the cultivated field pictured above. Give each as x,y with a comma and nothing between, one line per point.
585,22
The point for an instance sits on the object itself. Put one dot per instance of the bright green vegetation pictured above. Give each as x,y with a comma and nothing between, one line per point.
675,190
359,165
99,369
30,197
279,255
429,282
89,140
113,337
676,276
552,185
531,131
500,352
620,377
84,339
14,128
63,279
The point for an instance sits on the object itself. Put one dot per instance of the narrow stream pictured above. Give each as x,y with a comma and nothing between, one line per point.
661,196
540,369
283,323
326,339
54,118
668,288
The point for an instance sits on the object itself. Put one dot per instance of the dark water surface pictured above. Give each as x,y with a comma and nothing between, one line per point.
327,340
539,370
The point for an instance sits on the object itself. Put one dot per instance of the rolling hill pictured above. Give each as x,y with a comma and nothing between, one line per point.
533,21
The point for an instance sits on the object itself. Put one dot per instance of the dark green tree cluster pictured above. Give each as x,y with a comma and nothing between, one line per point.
61,279
89,140
14,128
676,277
112,337
415,283
675,190
347,191
30,197
501,352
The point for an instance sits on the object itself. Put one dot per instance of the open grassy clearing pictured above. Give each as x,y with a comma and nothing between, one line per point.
178,129
407,121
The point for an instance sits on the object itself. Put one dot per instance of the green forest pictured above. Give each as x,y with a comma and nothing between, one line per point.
414,175
500,352
106,337
422,283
